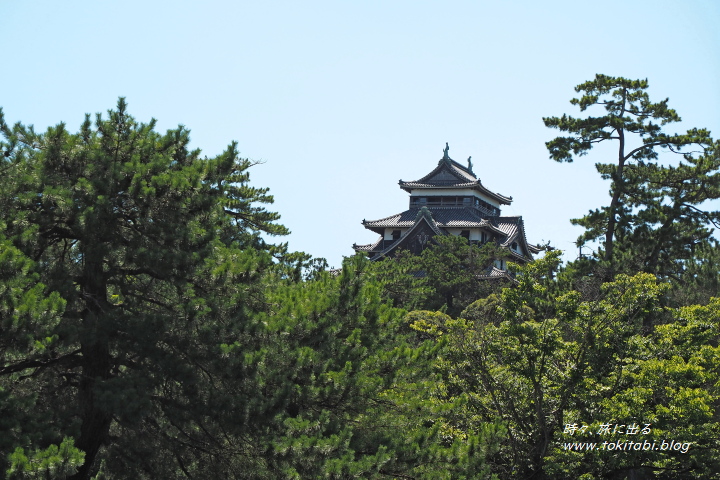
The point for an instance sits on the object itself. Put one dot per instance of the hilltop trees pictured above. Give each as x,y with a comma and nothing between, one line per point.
657,215
536,361
444,276
148,331
132,233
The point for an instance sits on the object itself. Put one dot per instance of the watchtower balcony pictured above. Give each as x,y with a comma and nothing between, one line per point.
454,201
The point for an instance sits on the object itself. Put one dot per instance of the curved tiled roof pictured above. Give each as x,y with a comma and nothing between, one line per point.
461,173
495,273
449,217
444,216
426,214
370,247
450,174
514,228
510,228
423,214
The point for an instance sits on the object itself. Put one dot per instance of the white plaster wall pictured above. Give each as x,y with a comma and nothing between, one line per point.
474,232
388,232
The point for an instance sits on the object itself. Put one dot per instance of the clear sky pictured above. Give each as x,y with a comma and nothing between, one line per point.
340,100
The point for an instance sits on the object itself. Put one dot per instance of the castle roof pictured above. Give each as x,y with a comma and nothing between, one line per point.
452,211
460,217
422,221
449,174
509,229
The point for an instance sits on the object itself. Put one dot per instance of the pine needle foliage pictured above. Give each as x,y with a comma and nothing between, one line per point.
658,214
127,259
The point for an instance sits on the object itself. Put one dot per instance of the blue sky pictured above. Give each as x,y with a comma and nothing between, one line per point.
340,100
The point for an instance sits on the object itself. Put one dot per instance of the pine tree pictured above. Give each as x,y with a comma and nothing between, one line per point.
657,212
133,239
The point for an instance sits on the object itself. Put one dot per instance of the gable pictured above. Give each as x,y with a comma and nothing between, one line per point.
444,176
417,240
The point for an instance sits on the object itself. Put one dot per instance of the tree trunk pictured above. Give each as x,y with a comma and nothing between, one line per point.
96,364
619,189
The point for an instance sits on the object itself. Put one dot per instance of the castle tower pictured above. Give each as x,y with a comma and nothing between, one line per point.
450,200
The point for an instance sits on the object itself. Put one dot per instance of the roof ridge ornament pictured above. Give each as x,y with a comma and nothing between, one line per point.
424,212
446,157
470,165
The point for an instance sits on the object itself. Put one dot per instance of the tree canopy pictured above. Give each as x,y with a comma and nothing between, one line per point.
444,276
150,329
657,212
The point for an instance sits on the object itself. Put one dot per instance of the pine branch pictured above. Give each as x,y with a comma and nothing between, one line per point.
71,358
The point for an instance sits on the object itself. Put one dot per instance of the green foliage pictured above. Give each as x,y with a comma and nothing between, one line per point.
701,276
444,276
53,463
147,330
127,259
669,379
29,318
346,375
28,315
657,215
321,373
536,358
420,422
144,316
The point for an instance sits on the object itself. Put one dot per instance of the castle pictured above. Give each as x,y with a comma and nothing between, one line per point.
450,200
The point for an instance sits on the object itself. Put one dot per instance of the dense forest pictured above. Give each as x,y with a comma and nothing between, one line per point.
149,329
